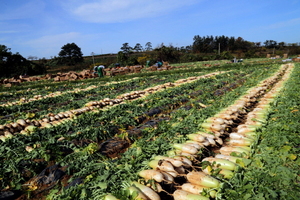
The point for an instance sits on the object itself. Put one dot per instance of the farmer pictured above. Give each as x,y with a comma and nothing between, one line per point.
95,69
159,63
100,70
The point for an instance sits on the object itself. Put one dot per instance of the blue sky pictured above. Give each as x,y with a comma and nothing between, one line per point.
41,27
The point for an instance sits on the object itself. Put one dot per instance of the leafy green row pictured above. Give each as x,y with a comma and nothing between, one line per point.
274,170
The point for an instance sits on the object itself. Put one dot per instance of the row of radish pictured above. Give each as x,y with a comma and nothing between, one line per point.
180,161
27,126
56,94
40,97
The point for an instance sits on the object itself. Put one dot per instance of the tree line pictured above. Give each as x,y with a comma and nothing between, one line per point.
202,48
15,64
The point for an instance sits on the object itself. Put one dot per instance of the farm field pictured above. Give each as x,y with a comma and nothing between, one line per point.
229,131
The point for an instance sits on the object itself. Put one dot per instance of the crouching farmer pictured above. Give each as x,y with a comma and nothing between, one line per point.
100,71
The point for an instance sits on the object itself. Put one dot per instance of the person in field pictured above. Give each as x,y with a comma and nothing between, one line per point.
100,70
95,69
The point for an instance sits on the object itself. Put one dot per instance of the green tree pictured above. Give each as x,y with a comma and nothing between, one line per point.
126,48
70,54
138,47
170,53
270,44
122,58
4,57
148,46
15,64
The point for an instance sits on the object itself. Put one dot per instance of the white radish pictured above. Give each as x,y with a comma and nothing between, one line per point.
211,141
149,174
184,160
221,163
196,137
174,162
180,170
137,193
197,189
194,144
225,172
162,165
150,193
184,195
201,178
167,177
240,142
186,148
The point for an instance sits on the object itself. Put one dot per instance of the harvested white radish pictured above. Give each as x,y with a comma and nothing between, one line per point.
137,193
197,189
240,142
184,160
186,148
212,170
110,197
221,163
149,174
201,178
150,193
184,195
162,165
167,177
174,162
196,137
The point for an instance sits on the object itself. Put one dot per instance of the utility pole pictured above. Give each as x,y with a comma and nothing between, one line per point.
219,49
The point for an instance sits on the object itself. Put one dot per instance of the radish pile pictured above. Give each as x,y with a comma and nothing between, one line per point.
232,131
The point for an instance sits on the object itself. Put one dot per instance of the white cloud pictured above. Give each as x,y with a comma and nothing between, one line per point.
109,11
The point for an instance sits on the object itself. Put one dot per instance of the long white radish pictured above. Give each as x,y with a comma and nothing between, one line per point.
177,152
149,174
231,158
186,148
201,178
194,144
174,162
212,136
162,165
219,141
157,187
136,193
110,197
184,195
184,160
240,136
221,163
246,130
211,141
197,189
238,150
180,170
167,177
240,142
196,137
214,170
174,174
150,193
